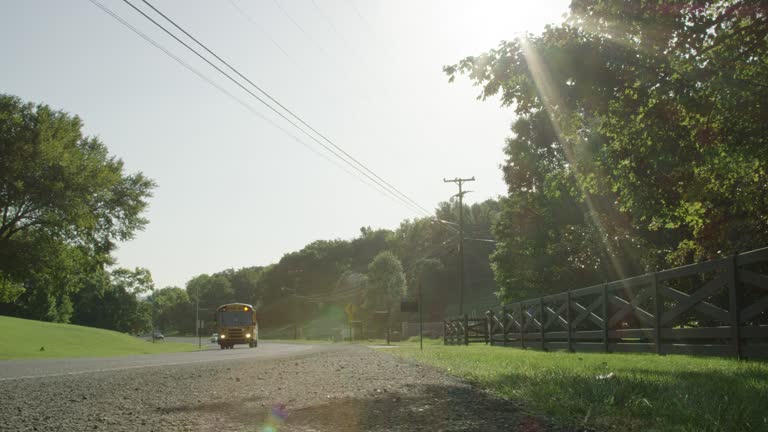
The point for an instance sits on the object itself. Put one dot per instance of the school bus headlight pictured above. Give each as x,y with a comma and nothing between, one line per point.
223,337
247,335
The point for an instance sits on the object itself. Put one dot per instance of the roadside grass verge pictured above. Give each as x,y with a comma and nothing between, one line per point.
615,392
22,339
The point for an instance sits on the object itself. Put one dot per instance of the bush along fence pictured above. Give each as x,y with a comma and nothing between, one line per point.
717,307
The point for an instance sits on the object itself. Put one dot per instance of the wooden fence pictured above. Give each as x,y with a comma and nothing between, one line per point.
717,307
465,330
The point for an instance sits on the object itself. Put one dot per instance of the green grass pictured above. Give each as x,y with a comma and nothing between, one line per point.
646,392
22,339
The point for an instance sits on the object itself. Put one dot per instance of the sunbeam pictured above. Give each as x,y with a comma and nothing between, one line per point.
552,103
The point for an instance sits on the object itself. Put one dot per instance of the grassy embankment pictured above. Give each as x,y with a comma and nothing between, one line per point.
621,392
22,339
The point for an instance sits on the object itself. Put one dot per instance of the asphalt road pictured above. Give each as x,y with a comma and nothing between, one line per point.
205,341
25,369
276,387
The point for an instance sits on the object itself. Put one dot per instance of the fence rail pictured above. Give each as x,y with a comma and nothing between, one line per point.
717,307
465,330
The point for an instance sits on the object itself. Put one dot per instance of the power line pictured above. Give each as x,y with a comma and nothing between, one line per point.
359,15
271,98
262,91
430,254
262,101
235,98
330,297
301,29
336,30
265,33
402,198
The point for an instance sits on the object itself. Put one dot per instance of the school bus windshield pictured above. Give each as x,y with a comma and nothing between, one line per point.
235,318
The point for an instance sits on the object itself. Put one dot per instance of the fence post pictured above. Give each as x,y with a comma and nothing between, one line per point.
488,324
569,319
657,310
445,332
454,331
541,322
522,326
487,331
504,322
734,305
466,329
605,317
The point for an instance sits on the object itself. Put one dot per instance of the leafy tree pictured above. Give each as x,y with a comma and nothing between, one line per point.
214,290
245,285
173,309
136,281
640,140
58,273
386,283
55,179
111,301
64,203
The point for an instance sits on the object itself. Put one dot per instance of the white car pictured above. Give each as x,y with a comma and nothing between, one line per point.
215,338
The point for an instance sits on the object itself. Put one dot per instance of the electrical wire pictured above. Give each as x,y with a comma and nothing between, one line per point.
410,203
336,30
365,22
262,101
301,29
265,33
267,95
235,98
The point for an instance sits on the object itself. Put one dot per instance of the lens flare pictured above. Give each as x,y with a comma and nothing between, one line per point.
552,102
277,416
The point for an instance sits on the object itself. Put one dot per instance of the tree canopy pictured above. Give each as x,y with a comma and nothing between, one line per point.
386,282
639,140
65,203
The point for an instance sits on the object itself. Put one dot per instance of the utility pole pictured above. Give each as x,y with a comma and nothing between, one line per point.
197,319
460,182
421,321
152,319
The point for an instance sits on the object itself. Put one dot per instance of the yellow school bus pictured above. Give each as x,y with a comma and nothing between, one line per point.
237,324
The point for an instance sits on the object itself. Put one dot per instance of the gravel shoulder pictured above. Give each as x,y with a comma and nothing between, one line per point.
326,388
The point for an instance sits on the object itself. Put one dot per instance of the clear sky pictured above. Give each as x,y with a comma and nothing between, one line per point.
233,190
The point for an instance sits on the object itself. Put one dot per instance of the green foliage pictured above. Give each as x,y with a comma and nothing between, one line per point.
173,310
213,290
386,283
333,274
639,142
111,301
55,180
64,203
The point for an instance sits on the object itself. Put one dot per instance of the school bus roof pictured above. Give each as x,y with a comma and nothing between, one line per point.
235,306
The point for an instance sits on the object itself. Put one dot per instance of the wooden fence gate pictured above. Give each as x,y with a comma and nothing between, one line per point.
465,330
